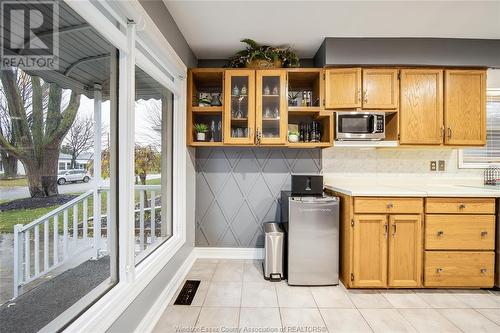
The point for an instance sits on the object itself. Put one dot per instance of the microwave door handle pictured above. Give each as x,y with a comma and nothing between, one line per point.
374,118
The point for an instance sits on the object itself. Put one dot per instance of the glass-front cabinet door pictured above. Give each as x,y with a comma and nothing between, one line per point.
271,109
239,110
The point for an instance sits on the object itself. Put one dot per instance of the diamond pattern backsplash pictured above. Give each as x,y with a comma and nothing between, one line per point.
238,189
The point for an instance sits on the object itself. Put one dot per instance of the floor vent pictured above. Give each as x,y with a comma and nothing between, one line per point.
187,293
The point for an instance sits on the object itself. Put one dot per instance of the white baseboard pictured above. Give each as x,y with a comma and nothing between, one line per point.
149,321
229,253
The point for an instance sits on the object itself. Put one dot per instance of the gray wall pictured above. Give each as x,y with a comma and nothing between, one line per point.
161,17
409,51
214,63
133,315
237,189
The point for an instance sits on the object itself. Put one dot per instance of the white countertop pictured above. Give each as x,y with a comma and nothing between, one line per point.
425,187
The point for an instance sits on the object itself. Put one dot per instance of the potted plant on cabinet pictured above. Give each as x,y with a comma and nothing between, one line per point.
201,130
263,56
293,136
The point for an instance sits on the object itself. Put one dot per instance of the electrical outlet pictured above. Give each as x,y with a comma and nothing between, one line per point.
441,165
433,165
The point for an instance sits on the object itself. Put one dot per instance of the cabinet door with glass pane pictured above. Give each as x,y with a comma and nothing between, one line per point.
239,106
271,109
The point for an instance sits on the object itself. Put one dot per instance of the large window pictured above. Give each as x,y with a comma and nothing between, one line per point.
57,227
153,164
490,154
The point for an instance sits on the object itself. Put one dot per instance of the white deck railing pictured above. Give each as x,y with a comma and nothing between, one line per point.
36,256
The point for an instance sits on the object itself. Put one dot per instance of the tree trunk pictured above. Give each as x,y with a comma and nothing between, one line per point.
9,163
73,162
42,174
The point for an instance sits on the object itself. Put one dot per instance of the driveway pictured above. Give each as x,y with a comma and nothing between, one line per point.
18,192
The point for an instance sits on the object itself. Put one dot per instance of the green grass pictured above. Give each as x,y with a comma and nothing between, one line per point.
13,182
24,216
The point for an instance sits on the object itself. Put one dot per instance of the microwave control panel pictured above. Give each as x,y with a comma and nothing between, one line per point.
380,123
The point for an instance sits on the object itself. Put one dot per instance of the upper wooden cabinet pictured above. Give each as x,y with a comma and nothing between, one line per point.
239,107
271,108
465,107
380,88
371,88
421,110
343,88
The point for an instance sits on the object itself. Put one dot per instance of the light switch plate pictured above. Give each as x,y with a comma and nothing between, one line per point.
441,165
433,166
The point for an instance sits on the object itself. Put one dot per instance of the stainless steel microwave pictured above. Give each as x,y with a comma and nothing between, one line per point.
359,125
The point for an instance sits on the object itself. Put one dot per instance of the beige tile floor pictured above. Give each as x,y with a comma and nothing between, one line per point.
234,297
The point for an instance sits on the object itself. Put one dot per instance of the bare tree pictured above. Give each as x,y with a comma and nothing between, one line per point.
38,129
79,138
9,161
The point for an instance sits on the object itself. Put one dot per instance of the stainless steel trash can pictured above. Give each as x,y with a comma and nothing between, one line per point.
274,247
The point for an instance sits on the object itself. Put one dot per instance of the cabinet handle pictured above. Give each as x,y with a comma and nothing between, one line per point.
359,95
483,270
386,230
484,233
393,230
439,270
449,133
365,99
390,205
461,206
442,132
440,233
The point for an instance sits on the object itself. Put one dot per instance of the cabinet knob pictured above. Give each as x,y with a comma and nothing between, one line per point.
483,270
484,233
440,233
439,270
461,206
390,205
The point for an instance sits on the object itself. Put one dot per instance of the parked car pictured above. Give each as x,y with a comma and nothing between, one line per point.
66,176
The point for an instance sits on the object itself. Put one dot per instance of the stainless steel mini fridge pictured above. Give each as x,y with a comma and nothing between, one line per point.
313,240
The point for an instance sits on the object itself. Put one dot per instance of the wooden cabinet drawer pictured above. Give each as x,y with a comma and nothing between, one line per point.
459,269
388,205
460,205
460,232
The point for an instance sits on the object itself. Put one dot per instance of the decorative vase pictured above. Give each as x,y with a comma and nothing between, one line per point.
243,90
216,100
200,136
293,138
236,91
264,63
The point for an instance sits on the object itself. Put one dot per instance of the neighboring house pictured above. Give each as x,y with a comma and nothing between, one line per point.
82,161
64,163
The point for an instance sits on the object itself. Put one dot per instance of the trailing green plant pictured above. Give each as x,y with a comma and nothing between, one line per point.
293,133
255,51
200,128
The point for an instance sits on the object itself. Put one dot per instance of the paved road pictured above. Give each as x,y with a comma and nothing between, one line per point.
18,192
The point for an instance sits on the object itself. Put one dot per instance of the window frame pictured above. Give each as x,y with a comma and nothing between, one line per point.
478,165
133,279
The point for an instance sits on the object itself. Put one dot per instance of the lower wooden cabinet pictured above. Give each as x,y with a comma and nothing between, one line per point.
382,242
369,251
459,269
405,251
387,251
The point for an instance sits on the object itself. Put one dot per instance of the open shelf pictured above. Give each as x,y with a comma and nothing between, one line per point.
206,109
208,83
325,121
308,82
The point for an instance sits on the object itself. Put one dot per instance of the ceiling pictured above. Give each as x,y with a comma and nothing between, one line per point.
213,28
